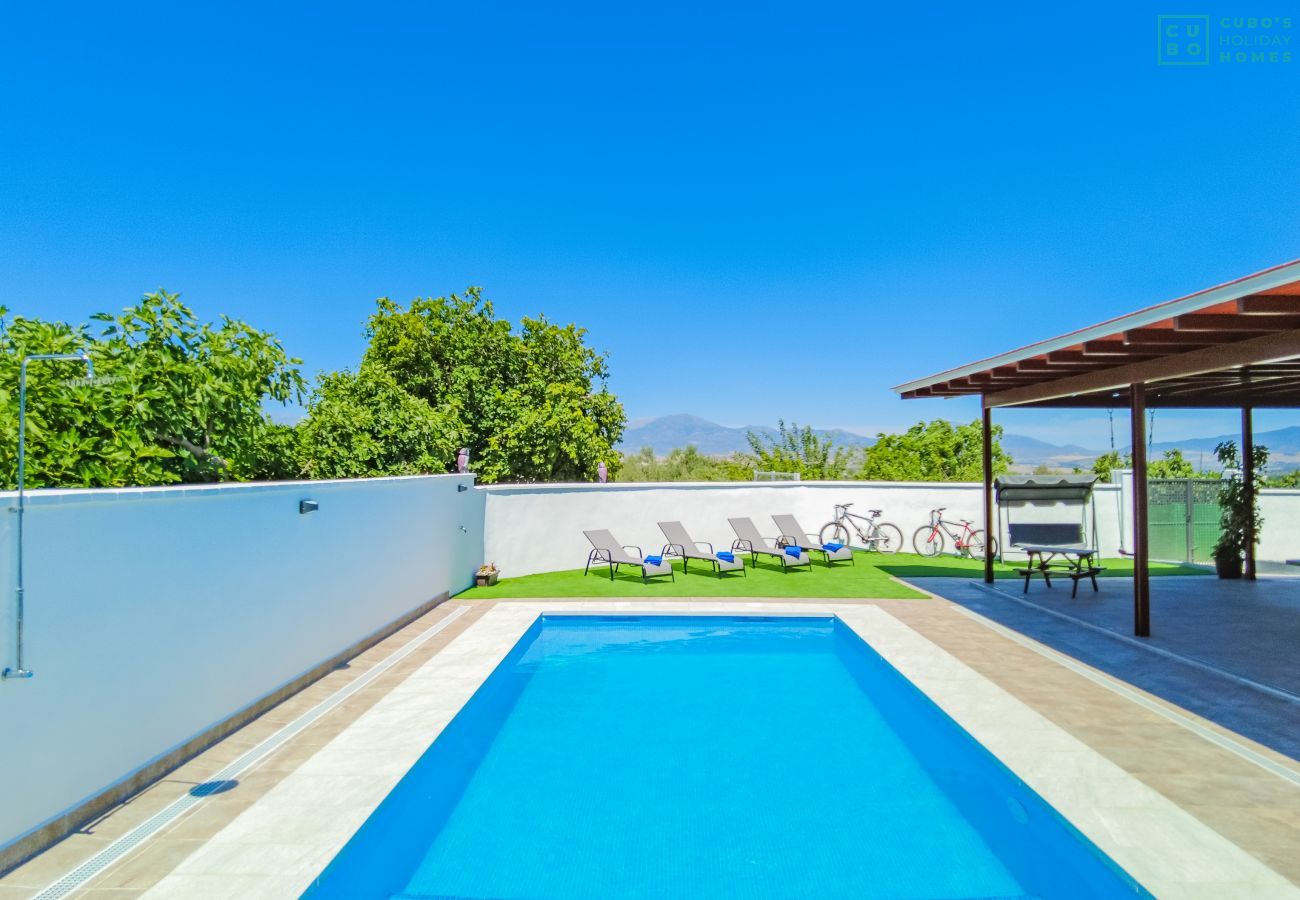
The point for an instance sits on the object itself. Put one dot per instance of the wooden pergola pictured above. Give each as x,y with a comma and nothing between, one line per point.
1236,346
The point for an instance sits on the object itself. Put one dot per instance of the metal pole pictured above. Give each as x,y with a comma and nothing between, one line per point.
1141,536
18,670
988,494
1248,487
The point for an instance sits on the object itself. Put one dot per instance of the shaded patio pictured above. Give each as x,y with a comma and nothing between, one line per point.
1225,650
1232,346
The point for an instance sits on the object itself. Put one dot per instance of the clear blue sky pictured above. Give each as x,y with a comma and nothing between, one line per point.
848,194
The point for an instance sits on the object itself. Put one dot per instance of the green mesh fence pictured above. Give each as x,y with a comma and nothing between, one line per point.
1183,514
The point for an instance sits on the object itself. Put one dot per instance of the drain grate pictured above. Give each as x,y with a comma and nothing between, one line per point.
229,775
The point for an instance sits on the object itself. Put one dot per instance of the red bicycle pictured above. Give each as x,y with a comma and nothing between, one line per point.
969,541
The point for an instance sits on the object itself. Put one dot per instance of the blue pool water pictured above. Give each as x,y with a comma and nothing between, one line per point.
710,757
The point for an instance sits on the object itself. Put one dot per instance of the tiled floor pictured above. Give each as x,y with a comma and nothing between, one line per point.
1249,628
1206,635
1236,798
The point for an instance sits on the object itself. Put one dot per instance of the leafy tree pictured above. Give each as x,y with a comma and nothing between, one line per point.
796,449
272,453
531,404
1108,462
683,464
1285,480
365,424
1172,464
173,400
933,451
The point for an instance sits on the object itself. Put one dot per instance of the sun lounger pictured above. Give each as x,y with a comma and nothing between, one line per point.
791,533
680,544
607,550
749,540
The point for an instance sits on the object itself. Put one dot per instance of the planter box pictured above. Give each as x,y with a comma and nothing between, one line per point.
1228,566
486,580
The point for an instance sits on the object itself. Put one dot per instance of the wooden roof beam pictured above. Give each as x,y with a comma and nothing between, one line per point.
1039,366
1282,345
986,381
1075,358
1279,280
1163,337
962,385
1217,322
1114,352
1277,304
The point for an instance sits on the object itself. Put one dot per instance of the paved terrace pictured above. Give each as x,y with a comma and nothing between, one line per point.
1188,781
1226,650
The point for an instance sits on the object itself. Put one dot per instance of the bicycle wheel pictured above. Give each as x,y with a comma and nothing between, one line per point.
928,541
975,545
834,533
888,538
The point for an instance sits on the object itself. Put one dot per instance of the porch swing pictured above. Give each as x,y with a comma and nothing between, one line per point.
1052,547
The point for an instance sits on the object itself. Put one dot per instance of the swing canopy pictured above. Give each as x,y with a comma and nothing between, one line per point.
1044,488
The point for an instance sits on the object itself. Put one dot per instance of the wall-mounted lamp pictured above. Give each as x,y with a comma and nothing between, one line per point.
462,488
307,506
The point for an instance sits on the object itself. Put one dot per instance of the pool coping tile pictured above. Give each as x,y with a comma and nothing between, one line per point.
279,844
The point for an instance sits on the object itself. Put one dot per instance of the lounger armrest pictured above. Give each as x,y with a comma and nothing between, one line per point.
699,544
786,540
639,551
673,550
742,544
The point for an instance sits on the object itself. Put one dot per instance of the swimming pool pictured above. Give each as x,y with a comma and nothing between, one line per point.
656,756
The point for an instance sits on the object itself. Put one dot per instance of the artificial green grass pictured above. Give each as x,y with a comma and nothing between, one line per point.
869,578
767,579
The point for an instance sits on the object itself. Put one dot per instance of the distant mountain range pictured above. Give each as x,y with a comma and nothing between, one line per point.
667,433
1030,452
1283,447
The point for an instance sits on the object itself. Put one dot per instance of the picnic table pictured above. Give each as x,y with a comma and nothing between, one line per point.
1058,547
1075,563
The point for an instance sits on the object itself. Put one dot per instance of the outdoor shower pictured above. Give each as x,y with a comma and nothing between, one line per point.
18,670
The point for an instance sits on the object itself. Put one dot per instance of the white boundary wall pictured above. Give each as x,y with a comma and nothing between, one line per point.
1280,534
538,528
155,613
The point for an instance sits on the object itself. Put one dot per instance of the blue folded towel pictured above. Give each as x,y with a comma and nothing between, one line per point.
725,556
653,560
793,551
833,547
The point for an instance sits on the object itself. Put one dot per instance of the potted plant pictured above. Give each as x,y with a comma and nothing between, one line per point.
1235,513
487,575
